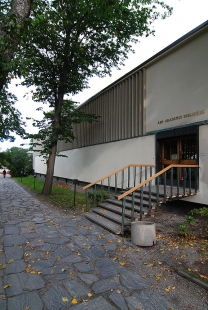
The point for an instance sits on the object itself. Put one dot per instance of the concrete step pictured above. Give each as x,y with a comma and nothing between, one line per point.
128,202
111,216
105,223
118,209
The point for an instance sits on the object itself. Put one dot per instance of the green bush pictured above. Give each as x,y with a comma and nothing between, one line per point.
99,196
189,220
183,229
200,211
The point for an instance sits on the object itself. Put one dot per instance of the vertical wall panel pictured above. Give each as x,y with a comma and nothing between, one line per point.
121,112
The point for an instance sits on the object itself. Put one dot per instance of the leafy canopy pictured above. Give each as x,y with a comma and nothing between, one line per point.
64,44
69,41
19,161
10,118
48,133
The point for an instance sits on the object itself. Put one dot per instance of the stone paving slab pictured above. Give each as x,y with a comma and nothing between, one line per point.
56,298
118,300
88,279
15,267
21,282
13,240
75,289
49,258
29,301
104,286
95,304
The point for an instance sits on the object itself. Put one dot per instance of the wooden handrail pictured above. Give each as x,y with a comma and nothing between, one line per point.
116,171
154,177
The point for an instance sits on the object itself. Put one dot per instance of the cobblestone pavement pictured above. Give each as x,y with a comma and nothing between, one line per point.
51,260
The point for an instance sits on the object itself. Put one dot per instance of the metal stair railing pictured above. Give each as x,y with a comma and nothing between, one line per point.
165,194
126,175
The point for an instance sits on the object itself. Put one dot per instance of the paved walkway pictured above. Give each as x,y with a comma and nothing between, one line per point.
50,260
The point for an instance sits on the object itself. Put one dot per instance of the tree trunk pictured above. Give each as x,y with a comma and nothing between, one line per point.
47,188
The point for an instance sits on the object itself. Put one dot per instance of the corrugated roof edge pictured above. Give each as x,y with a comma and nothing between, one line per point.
181,39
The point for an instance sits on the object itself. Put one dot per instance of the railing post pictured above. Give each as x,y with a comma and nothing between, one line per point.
86,208
128,177
196,180
109,178
134,176
158,189
141,202
140,174
150,195
132,207
178,171
101,191
189,170
150,171
116,184
122,181
94,195
145,171
171,182
165,193
184,181
123,216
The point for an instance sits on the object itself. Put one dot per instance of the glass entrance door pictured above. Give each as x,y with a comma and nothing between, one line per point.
182,151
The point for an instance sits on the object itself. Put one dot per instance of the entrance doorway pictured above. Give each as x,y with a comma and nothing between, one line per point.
179,150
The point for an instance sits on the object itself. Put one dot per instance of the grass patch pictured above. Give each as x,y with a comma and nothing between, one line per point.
63,196
196,274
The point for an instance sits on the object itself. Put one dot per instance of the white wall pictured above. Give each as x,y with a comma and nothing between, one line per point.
91,163
177,85
202,196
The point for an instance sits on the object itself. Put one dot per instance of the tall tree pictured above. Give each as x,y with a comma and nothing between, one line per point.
69,41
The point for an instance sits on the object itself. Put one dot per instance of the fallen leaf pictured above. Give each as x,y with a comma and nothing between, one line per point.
89,295
59,257
10,261
167,289
2,266
122,263
74,301
7,285
65,299
63,269
27,308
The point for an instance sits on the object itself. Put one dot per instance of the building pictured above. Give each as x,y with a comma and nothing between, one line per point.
155,114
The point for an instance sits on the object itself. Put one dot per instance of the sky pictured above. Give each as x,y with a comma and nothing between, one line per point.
187,14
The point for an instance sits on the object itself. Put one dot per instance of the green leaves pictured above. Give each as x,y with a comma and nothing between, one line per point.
67,42
10,118
49,132
19,162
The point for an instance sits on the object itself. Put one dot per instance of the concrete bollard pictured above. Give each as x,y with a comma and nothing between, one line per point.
143,233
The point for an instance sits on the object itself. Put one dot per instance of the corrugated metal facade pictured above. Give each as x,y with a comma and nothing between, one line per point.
120,108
